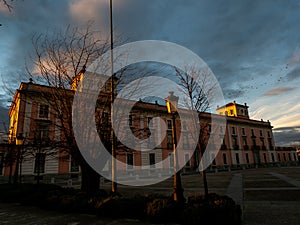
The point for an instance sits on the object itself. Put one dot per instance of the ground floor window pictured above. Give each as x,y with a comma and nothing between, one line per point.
1,162
129,161
152,160
273,158
171,160
39,164
187,160
224,159
213,159
74,167
237,157
247,158
265,157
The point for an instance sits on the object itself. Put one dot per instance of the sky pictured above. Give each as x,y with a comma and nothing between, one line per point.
252,46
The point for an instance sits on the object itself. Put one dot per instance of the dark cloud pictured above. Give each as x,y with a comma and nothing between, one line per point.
286,136
232,94
278,91
4,119
294,74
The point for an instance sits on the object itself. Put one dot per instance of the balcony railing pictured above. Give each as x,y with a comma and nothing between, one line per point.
246,147
236,147
223,147
255,147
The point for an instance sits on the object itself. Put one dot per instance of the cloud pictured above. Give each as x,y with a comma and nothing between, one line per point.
294,74
286,136
278,91
4,119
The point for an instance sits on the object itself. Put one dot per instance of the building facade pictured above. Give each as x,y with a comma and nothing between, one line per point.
246,143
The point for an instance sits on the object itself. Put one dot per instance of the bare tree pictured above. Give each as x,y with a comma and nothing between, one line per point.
59,57
196,87
7,4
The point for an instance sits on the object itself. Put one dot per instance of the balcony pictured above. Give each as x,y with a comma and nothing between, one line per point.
246,147
236,147
255,147
263,147
223,147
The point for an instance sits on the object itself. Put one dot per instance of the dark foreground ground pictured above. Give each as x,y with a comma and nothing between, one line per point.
268,196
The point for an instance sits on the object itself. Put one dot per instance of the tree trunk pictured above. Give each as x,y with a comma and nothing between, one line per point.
90,182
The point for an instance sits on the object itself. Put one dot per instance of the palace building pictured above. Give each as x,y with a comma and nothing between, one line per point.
45,128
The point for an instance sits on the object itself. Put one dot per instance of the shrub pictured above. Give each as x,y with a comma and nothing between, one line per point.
162,210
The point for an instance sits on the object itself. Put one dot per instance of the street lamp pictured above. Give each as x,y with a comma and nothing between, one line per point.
172,104
19,143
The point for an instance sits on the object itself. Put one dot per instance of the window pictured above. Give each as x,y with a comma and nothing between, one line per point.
233,130
284,157
237,158
129,161
278,156
252,132
39,164
273,158
244,141
234,140
171,160
243,131
42,132
149,122
254,142
152,160
265,157
74,167
262,142
247,158
130,121
44,111
187,160
213,159
221,130
105,118
231,112
209,128
224,158
184,125
1,162
185,141
269,134
169,124
169,140
261,133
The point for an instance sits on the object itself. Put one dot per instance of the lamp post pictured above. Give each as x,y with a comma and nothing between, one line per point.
172,104
112,98
19,142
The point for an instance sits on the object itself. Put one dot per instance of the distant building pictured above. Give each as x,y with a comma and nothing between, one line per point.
247,143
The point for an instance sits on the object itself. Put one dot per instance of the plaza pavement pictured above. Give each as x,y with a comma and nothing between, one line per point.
268,196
